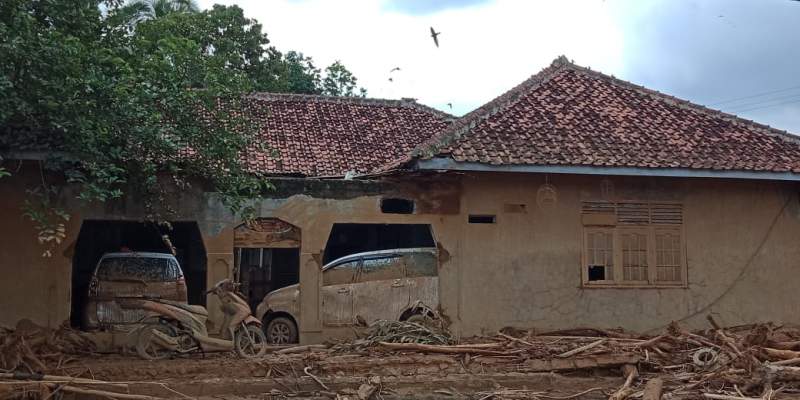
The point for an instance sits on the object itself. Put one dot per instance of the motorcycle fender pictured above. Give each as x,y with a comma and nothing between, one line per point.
164,340
252,320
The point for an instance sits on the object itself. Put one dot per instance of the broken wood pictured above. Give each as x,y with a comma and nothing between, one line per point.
302,349
100,393
578,363
630,372
432,348
782,354
581,349
728,397
653,388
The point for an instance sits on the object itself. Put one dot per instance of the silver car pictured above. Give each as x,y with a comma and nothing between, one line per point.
397,284
121,276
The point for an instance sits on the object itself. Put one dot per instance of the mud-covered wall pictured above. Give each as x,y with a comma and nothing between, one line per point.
525,271
32,286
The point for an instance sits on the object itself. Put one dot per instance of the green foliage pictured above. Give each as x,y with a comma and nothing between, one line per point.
340,82
48,218
145,97
139,111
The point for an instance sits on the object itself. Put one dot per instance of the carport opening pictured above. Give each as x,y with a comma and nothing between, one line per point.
346,239
98,237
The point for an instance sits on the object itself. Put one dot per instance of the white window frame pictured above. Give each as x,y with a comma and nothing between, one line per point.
603,224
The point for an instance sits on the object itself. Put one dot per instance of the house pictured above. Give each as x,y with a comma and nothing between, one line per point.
574,199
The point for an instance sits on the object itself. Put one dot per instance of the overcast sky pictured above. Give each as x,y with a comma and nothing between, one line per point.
712,52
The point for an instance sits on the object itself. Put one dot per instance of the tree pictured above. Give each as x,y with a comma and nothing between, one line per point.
339,81
142,10
138,108
123,105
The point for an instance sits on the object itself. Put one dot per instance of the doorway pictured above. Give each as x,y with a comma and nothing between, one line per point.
98,237
266,257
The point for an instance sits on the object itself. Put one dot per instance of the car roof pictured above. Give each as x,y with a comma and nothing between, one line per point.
142,254
379,253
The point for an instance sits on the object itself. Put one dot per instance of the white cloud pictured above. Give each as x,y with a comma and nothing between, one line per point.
485,49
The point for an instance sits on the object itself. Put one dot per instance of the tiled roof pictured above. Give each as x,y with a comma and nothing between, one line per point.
328,136
308,135
568,115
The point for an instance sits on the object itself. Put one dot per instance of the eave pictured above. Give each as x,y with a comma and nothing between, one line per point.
448,164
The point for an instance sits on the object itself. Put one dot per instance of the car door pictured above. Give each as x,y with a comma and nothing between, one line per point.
422,278
337,293
380,290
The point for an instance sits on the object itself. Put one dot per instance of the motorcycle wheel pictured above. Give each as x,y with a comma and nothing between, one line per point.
250,342
147,348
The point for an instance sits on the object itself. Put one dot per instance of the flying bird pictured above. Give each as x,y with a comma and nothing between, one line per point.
450,105
435,36
391,80
394,69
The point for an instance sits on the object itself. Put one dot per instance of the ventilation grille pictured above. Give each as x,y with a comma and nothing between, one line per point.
633,213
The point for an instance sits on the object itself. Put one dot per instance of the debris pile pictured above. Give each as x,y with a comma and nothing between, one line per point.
395,360
32,348
406,332
740,363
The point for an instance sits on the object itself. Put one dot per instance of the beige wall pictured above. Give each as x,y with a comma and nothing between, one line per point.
523,271
32,286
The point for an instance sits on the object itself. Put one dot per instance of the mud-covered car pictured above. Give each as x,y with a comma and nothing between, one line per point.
399,284
121,276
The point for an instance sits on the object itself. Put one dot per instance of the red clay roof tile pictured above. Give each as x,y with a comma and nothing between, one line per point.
329,136
570,115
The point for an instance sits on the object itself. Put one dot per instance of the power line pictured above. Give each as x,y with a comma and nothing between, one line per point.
765,101
768,106
754,95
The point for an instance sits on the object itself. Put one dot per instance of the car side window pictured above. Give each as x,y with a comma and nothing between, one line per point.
421,264
340,274
381,268
175,269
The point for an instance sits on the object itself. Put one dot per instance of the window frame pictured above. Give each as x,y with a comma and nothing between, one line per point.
605,222
585,255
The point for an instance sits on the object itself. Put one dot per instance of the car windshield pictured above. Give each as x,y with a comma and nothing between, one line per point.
138,268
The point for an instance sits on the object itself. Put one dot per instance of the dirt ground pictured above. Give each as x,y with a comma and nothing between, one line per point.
225,376
398,360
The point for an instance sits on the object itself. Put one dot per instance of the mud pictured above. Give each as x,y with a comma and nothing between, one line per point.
225,376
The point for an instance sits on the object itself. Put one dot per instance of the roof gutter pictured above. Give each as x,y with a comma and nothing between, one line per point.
446,163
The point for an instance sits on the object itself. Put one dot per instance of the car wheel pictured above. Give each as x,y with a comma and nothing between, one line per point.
281,330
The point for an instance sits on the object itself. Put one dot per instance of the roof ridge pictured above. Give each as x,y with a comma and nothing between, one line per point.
469,120
404,102
685,103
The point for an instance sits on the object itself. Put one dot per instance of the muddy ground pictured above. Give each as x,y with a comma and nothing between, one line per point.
395,360
224,376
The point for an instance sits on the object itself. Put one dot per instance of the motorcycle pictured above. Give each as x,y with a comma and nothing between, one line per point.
176,328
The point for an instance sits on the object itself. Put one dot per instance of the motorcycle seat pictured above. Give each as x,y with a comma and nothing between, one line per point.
200,310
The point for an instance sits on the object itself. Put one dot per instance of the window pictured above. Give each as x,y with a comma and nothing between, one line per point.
600,255
481,219
397,206
381,268
340,274
633,243
146,269
421,264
